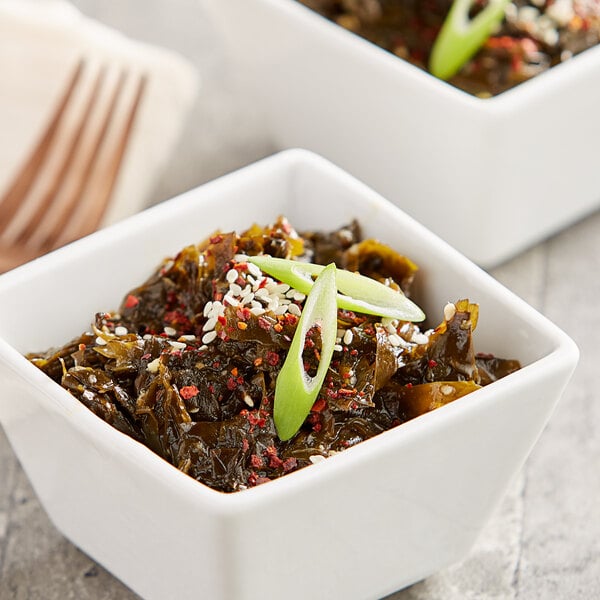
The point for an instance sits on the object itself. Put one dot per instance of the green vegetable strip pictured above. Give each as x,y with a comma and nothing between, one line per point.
459,39
358,293
295,390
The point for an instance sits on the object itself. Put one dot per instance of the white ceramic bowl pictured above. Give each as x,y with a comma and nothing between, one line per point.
361,524
489,176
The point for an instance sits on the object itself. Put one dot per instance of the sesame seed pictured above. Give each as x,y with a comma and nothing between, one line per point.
207,338
294,309
240,258
203,348
280,310
246,291
153,366
231,300
187,338
261,293
257,311
210,324
254,270
170,331
449,311
207,308
338,348
120,330
348,337
101,341
177,345
299,297
316,458
248,400
447,390
235,289
419,338
395,340
232,275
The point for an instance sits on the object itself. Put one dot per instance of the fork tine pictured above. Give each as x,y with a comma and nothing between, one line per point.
95,198
11,200
36,203
45,229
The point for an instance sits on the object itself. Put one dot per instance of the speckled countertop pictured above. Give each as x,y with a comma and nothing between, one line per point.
544,540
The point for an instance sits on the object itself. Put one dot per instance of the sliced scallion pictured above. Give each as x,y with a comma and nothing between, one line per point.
357,292
295,390
460,38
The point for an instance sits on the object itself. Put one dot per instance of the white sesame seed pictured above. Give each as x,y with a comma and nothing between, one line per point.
187,338
419,338
348,337
338,348
294,309
390,328
247,299
551,37
231,300
207,338
257,311
152,367
240,258
449,311
120,330
177,345
254,270
261,293
447,390
299,297
235,289
210,324
232,275
170,331
316,458
147,336
395,340
207,308
100,341
280,310
203,348
248,400
246,291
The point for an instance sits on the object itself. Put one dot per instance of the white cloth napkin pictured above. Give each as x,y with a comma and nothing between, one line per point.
41,44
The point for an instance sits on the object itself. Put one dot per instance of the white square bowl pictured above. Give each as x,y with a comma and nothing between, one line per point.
490,176
362,524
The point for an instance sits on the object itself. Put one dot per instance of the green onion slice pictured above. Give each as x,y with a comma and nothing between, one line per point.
357,292
460,38
296,390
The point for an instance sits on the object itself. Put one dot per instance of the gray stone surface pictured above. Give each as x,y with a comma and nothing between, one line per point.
543,541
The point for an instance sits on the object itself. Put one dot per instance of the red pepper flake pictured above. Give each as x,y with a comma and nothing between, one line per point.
278,327
245,445
291,319
131,301
346,392
258,361
264,323
272,358
82,347
256,461
353,352
290,464
222,320
432,364
189,391
243,313
216,239
231,384
408,385
319,405
211,388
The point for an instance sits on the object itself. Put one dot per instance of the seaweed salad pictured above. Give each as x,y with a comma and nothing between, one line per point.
190,362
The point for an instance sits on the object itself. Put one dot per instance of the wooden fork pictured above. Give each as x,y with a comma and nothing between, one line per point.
63,190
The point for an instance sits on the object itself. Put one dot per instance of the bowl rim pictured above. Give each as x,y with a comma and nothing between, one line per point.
563,353
531,91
